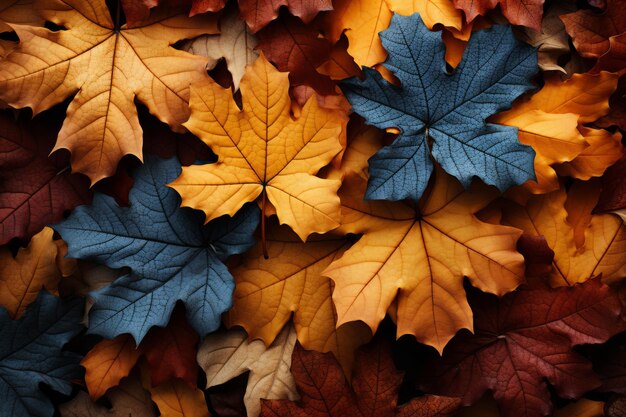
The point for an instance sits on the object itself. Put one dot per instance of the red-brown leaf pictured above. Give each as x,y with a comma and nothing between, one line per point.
591,31
35,189
519,12
324,390
523,341
297,48
258,13
171,351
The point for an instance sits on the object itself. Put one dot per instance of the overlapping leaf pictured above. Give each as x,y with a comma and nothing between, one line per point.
444,114
224,356
524,341
31,353
35,189
519,12
235,44
419,256
263,153
269,291
172,257
603,250
22,277
551,121
106,67
325,391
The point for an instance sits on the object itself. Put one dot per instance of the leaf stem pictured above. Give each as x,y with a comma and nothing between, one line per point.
263,240
117,16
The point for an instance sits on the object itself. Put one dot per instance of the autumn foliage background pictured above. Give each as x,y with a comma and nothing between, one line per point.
312,208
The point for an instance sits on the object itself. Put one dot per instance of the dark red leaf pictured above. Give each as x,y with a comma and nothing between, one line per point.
35,189
524,341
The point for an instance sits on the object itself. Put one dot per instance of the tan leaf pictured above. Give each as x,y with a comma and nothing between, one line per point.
235,44
226,355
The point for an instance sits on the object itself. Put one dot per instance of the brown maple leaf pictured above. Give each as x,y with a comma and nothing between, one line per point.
107,67
523,341
324,390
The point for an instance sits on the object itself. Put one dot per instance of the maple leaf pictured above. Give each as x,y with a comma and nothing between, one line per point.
299,50
22,277
34,190
129,399
268,291
171,351
375,382
224,356
31,353
108,362
521,339
106,67
235,44
444,111
552,42
171,256
604,239
519,12
551,122
419,255
263,152
592,32
19,12
137,11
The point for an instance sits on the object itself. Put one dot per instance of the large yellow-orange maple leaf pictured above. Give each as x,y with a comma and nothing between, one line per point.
551,121
420,255
107,67
263,152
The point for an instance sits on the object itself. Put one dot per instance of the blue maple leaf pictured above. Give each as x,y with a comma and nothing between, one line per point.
171,254
31,352
442,114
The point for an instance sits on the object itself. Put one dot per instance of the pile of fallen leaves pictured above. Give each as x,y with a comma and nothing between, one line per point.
312,208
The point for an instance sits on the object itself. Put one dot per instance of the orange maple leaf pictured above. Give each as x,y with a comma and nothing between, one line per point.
107,67
264,153
420,255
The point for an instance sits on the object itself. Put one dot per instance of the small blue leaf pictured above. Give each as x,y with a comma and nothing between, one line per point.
171,254
443,114
31,352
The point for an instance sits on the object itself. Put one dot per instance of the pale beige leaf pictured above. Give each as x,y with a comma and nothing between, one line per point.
226,355
235,44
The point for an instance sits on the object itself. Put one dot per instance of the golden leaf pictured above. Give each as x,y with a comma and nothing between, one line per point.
420,255
107,67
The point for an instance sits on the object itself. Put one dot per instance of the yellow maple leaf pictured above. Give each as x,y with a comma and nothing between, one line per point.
420,255
551,121
269,291
107,67
22,277
177,399
263,153
601,242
